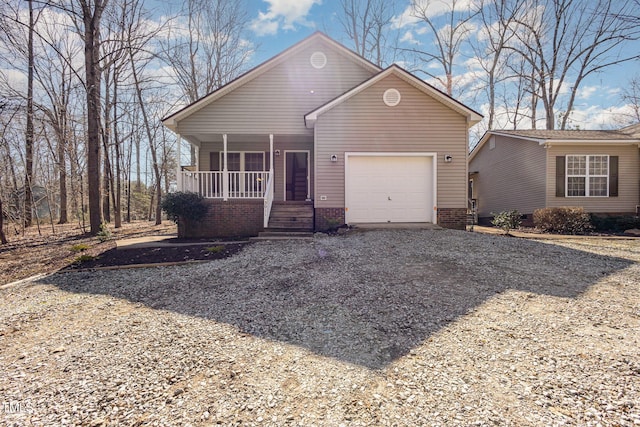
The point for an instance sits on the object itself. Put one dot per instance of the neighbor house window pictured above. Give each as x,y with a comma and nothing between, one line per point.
587,175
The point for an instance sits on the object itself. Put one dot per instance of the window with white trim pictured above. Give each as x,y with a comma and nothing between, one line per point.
587,176
244,161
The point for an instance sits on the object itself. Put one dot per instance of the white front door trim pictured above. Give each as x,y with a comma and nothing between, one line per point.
434,162
284,168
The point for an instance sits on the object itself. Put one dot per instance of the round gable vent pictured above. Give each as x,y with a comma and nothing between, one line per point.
318,60
391,97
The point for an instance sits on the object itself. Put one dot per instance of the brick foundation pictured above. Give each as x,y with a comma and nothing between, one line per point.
328,218
455,218
233,218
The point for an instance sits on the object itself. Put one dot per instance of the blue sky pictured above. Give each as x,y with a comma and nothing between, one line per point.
278,24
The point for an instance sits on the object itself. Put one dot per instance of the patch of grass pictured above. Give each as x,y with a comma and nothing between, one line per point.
80,247
84,258
214,249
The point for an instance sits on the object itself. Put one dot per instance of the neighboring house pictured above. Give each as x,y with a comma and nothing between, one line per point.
531,169
318,137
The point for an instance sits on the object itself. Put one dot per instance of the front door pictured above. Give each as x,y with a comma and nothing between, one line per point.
296,175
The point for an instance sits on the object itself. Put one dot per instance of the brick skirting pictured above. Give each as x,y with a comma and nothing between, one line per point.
455,218
328,218
233,218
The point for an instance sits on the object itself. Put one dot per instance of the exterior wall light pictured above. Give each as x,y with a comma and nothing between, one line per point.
277,153
334,158
448,158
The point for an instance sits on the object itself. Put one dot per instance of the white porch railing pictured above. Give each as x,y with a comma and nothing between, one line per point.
241,185
268,200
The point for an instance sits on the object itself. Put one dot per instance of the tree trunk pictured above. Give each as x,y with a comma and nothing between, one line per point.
62,176
28,180
91,17
152,145
3,238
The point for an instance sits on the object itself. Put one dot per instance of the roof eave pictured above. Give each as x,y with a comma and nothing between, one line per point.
472,116
550,142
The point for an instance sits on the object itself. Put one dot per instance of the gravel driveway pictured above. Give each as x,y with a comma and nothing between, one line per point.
390,327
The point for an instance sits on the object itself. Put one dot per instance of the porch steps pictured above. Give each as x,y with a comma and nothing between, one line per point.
291,217
282,235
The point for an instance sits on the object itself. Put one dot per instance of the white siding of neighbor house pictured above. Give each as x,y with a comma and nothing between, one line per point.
251,143
628,179
364,123
277,100
511,176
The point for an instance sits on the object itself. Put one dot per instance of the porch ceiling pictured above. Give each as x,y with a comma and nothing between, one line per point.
200,138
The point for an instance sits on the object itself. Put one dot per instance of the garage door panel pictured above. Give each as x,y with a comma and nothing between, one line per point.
389,189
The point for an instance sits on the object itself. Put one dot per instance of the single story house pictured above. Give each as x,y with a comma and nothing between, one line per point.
531,169
317,137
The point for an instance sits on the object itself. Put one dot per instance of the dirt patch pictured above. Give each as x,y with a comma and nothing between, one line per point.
116,257
50,249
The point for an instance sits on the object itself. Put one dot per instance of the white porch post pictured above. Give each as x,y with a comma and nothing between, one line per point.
271,177
225,171
197,159
179,167
271,159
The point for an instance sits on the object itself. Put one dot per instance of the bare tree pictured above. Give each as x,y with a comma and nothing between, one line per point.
448,39
205,46
631,97
497,29
564,41
366,22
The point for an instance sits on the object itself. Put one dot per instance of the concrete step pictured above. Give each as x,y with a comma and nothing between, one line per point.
288,225
282,235
291,214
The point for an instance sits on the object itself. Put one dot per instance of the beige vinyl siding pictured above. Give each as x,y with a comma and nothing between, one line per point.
628,179
364,123
511,176
277,100
280,142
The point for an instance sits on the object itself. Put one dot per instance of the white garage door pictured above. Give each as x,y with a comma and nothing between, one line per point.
389,189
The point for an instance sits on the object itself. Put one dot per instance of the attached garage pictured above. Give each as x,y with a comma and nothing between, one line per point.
390,187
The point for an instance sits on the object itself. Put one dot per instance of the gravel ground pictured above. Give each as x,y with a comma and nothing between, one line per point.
392,327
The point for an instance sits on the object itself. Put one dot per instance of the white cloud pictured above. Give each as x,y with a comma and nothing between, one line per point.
431,9
586,91
283,14
407,37
598,117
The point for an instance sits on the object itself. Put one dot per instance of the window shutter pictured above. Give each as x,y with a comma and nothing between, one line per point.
613,176
560,169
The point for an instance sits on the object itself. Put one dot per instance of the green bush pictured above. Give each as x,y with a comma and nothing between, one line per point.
614,224
564,220
507,220
184,206
104,234
80,247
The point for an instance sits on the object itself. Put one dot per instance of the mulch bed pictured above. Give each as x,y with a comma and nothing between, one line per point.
157,255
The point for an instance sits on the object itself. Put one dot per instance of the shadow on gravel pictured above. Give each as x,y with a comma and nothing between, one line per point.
367,298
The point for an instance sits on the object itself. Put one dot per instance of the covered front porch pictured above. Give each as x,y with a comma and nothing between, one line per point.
236,167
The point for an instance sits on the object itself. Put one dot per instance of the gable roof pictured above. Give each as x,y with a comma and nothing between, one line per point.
171,120
473,116
563,137
633,130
